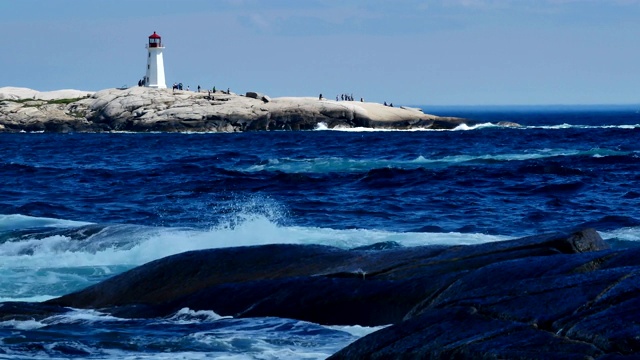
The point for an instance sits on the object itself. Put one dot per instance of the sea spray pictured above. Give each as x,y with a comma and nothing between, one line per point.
54,266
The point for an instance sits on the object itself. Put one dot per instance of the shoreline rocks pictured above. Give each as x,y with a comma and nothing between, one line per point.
559,295
297,281
141,109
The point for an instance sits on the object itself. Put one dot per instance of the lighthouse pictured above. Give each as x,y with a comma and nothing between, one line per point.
155,64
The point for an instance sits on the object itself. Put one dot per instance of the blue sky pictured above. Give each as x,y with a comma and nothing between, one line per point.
447,52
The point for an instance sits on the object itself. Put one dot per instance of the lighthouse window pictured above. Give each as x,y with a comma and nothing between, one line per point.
148,67
149,54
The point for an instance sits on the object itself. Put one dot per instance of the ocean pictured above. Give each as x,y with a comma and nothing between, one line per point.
76,209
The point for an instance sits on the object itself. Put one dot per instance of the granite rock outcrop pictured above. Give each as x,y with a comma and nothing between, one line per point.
141,109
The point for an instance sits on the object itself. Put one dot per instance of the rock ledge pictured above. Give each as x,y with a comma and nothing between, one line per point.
141,109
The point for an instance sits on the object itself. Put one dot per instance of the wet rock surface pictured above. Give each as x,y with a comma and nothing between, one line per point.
560,295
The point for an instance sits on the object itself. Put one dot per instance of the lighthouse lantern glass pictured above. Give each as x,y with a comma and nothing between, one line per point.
154,40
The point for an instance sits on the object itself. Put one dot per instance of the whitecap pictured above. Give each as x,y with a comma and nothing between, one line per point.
22,324
622,234
18,221
188,316
82,316
357,330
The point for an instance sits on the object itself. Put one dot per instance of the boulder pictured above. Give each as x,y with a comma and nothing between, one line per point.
254,95
315,283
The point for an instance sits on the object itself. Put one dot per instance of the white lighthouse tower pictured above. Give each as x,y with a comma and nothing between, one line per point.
155,64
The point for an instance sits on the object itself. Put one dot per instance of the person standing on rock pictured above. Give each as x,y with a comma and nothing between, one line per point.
198,88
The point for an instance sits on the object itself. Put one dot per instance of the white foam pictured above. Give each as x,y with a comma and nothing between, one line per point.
85,316
22,324
188,316
335,164
147,244
37,298
50,244
624,234
18,221
357,330
173,355
264,338
321,126
461,159
55,265
465,127
461,127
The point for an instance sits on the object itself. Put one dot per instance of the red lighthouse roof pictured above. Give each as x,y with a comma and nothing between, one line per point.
154,36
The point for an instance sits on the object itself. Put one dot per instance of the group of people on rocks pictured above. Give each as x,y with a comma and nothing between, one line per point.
346,97
342,97
178,86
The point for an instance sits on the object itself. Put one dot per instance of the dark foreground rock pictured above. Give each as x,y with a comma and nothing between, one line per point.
315,283
548,296
558,307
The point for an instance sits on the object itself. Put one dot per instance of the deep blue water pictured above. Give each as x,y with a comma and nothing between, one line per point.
78,208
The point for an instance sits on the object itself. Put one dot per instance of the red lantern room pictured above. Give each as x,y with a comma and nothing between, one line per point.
155,40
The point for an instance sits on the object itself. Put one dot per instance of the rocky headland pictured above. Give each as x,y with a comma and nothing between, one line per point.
551,296
141,109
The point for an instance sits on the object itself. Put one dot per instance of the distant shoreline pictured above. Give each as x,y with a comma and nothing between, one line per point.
141,109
